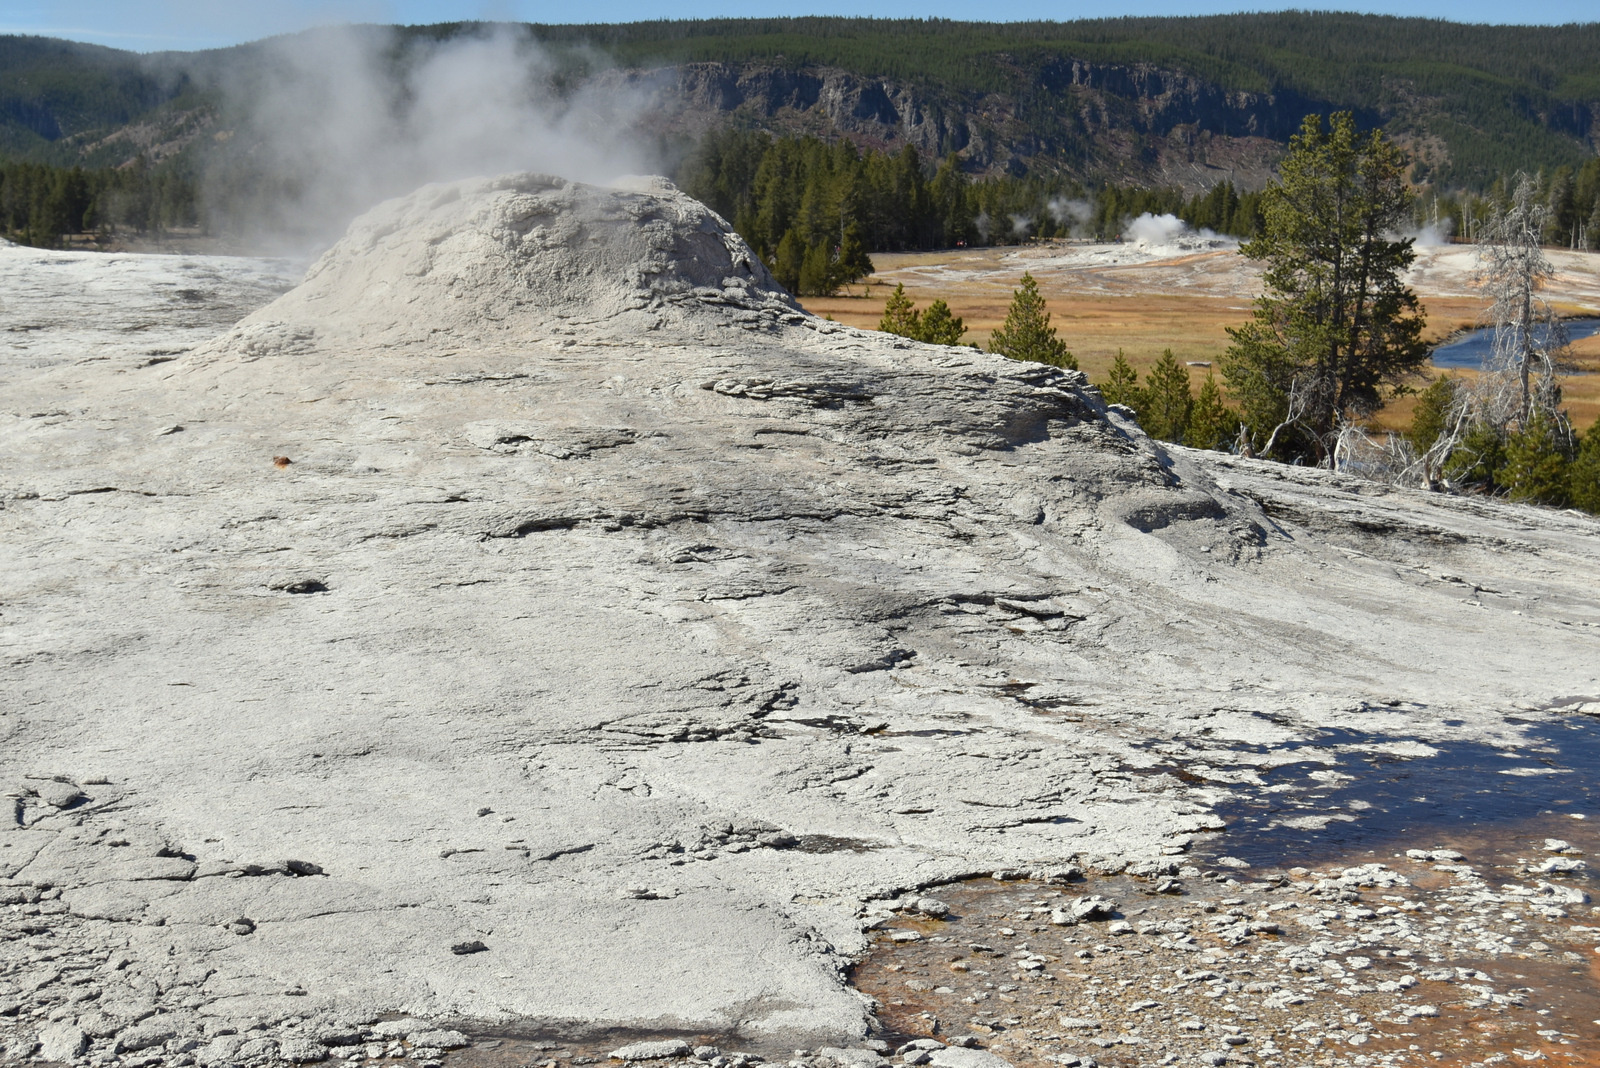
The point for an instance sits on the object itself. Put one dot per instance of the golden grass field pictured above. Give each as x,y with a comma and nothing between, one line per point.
1108,298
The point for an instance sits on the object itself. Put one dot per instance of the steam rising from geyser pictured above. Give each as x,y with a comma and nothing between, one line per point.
1435,235
1170,231
344,118
1074,214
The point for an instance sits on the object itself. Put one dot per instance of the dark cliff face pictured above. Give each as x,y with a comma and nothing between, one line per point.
699,96
1132,121
1162,100
1577,118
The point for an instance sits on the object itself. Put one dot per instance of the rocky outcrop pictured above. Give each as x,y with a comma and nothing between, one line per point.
1127,121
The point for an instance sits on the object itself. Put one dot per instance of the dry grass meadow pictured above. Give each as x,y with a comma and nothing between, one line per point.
1106,298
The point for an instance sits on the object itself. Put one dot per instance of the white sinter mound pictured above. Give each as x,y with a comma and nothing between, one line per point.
608,611
497,257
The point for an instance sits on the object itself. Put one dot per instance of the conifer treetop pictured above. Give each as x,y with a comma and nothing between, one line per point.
1027,333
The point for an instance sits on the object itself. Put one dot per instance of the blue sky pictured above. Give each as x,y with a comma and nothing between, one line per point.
187,24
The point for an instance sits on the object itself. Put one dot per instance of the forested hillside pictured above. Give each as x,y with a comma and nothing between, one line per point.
67,103
1003,120
1158,94
1178,101
43,205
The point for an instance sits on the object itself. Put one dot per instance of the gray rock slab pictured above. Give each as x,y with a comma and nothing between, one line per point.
652,1051
61,1042
302,1051
955,1057
146,1035
440,1039
849,1057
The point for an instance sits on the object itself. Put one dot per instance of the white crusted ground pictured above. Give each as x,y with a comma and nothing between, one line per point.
618,616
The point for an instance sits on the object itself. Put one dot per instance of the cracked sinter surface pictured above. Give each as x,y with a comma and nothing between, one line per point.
537,577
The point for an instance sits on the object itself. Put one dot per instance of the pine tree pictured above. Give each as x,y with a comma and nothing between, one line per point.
910,192
1432,414
853,263
948,191
1536,462
1583,475
1337,322
939,327
1122,385
900,315
816,273
1212,424
788,260
1478,459
814,221
1027,333
1167,400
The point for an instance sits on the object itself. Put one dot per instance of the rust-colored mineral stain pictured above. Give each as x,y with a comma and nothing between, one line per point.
1183,979
1467,1038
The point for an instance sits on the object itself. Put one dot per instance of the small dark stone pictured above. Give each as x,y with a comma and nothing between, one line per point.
253,870
461,949
339,1035
301,585
303,867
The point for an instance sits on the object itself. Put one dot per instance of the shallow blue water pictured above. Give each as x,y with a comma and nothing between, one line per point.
1466,788
1471,350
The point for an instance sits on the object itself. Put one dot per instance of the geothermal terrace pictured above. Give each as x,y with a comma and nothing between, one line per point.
534,624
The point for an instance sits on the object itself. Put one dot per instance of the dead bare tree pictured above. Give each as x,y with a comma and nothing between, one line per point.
1355,451
1302,389
1431,461
1520,375
1392,459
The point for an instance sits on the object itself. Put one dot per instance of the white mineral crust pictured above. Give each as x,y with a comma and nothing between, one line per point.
647,626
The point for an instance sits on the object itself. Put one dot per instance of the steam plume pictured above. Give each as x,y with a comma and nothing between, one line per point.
1169,230
1074,214
343,118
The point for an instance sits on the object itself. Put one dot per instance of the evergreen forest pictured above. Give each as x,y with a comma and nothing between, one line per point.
794,198
47,206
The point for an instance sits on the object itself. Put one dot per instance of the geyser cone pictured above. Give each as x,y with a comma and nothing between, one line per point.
496,258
